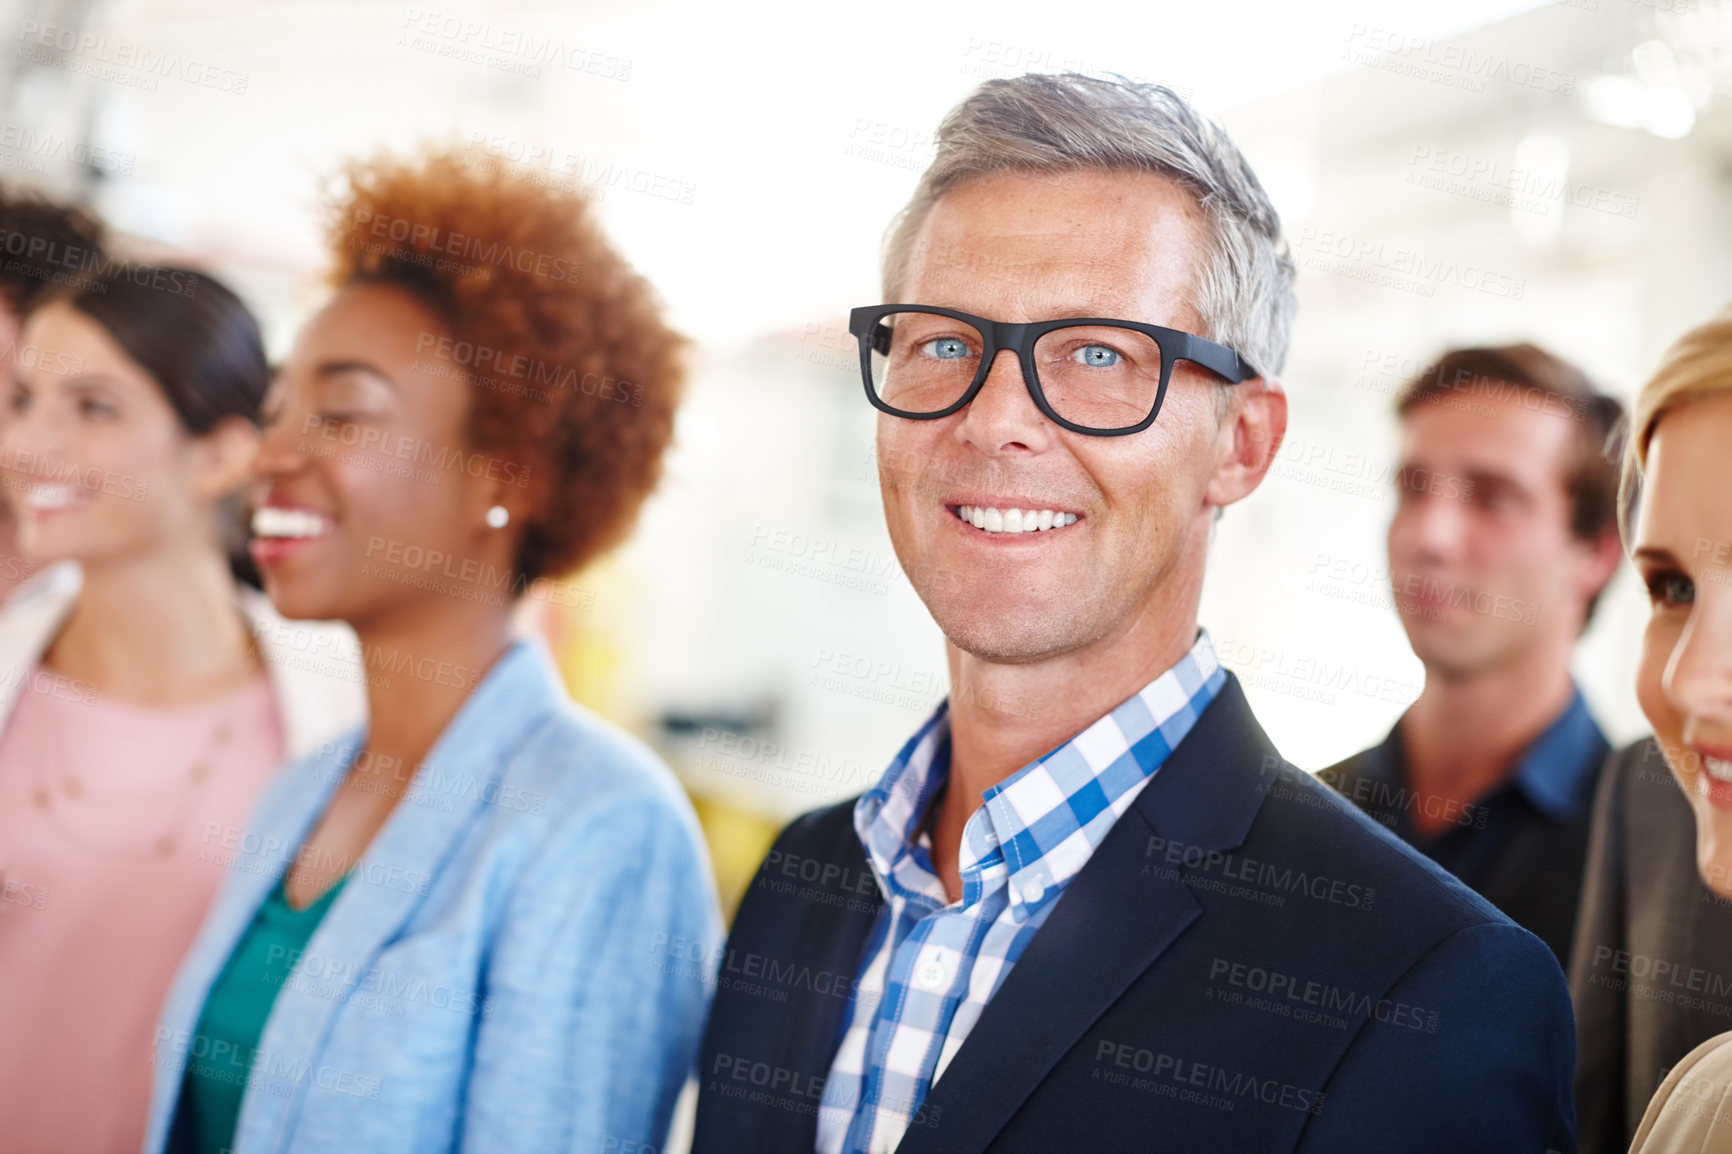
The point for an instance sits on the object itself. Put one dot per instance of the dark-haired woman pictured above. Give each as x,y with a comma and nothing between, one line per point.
480,924
41,239
143,712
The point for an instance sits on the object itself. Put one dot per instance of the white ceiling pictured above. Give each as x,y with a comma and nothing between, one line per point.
755,106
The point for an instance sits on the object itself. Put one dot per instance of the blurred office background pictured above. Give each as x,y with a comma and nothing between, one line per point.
1478,171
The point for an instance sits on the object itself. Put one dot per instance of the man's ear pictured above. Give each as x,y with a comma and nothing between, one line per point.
1600,560
1250,435
224,458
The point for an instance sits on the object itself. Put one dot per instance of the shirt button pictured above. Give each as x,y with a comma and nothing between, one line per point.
1032,891
931,973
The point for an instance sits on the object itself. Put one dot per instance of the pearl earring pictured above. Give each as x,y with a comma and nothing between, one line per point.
499,517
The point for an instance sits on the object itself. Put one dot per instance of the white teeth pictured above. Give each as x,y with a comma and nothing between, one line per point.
1718,768
41,496
272,521
1013,520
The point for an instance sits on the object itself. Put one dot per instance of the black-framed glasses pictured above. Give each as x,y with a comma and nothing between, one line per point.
1090,375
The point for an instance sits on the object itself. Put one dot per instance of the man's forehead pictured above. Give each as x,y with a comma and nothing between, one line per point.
1057,242
1032,285
1496,436
1038,208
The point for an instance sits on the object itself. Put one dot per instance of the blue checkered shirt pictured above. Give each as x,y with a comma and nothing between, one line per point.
932,964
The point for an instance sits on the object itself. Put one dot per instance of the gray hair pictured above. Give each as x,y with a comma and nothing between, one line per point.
1057,123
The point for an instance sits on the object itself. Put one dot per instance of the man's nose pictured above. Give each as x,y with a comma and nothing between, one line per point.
1003,416
1427,526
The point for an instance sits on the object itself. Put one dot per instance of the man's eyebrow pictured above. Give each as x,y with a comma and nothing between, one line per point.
1656,553
1488,478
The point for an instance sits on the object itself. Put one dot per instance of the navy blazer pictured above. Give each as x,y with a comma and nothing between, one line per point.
1247,963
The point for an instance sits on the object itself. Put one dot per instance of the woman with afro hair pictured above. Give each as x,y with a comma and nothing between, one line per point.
465,926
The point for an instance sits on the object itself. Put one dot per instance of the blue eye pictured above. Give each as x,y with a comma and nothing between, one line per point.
1096,356
946,349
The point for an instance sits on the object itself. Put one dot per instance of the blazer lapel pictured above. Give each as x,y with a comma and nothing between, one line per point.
1116,918
1709,937
450,786
1110,926
278,826
27,628
835,945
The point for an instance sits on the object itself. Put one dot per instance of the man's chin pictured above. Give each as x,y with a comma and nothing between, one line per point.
1447,623
1010,639
1453,649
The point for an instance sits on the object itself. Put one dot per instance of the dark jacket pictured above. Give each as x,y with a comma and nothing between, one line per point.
1652,971
1523,847
1247,963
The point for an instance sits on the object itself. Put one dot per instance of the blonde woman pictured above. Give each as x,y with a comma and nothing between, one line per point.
1678,526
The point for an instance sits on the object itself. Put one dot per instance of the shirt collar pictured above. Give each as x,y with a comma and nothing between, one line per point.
888,816
1556,771
1041,824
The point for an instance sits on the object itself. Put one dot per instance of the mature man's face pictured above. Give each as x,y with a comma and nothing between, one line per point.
1025,248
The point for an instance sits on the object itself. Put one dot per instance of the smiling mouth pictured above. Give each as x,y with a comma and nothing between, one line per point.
274,523
42,497
1718,768
1009,521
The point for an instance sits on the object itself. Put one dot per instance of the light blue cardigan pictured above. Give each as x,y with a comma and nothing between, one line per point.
502,971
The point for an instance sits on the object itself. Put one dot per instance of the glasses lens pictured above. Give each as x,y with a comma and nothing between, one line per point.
923,362
1099,376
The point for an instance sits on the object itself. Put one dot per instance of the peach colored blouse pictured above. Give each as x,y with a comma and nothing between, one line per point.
117,822
1691,1112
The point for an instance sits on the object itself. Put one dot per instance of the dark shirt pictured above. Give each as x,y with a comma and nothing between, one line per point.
235,1013
1523,845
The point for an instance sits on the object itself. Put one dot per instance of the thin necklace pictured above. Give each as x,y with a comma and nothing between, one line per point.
61,799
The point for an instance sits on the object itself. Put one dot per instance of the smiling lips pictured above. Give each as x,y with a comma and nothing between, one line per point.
994,520
44,497
1715,780
279,523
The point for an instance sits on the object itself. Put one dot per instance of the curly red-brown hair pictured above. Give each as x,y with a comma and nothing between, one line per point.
574,372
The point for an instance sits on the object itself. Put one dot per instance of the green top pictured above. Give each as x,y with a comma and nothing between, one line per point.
219,1064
